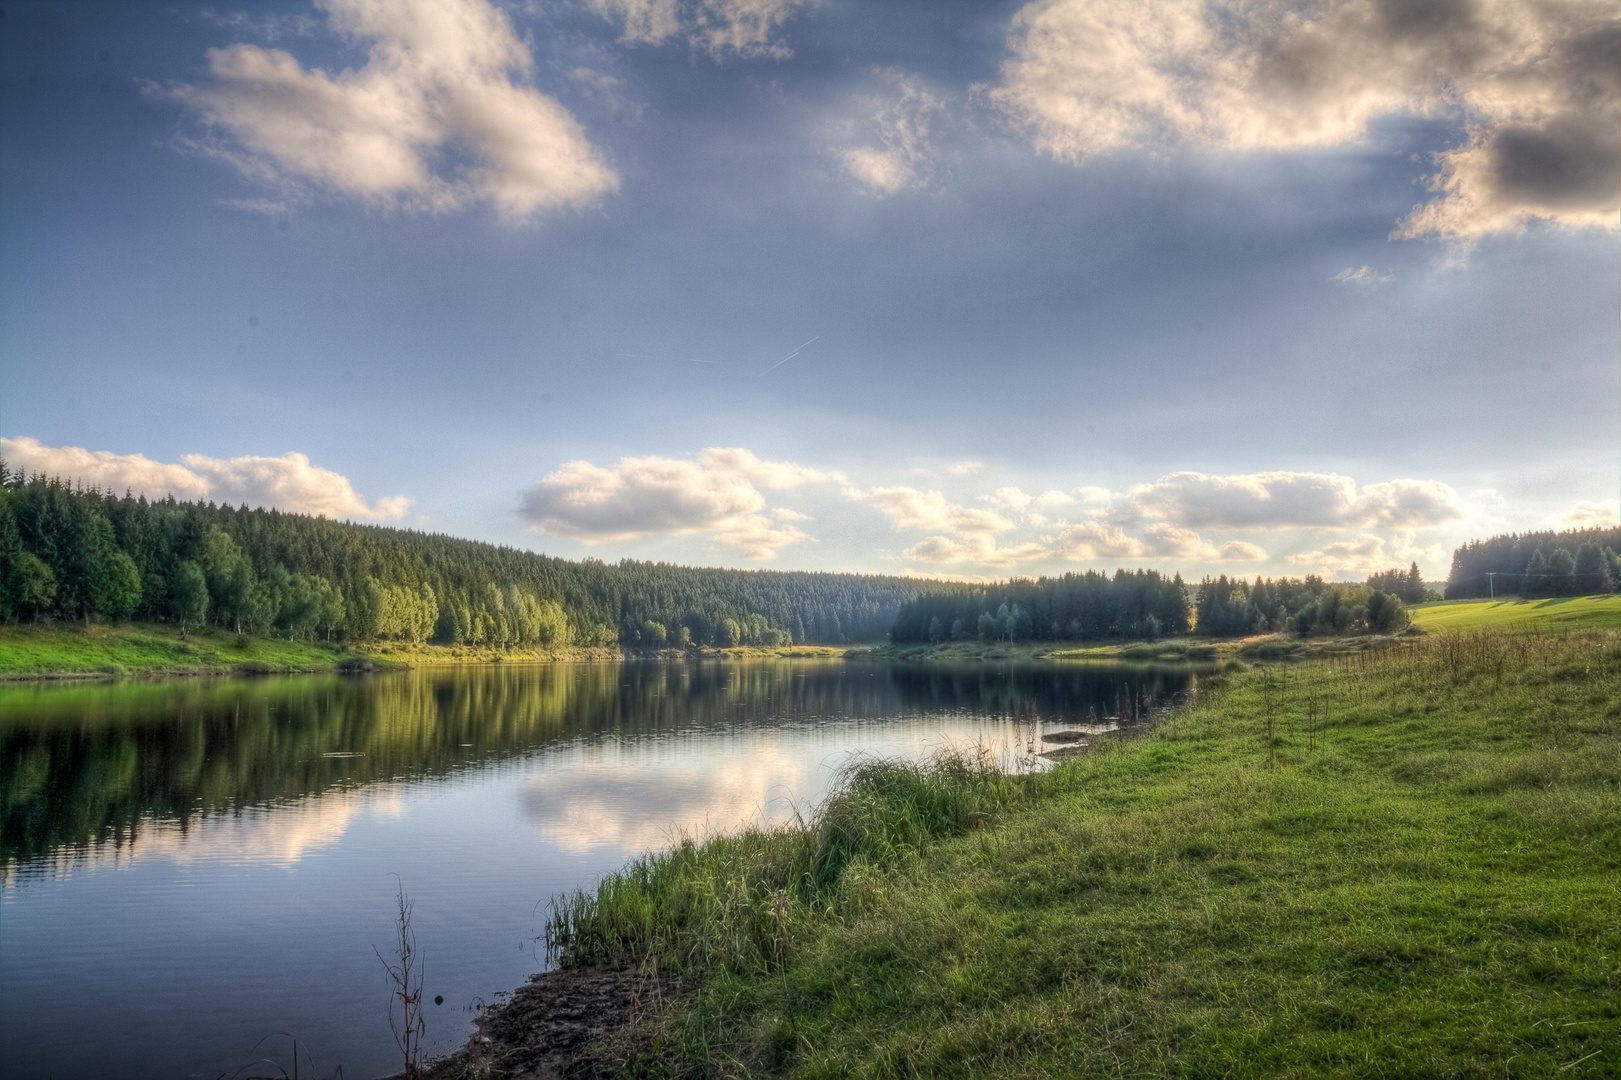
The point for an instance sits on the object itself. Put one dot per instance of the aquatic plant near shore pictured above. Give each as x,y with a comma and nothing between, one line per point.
405,973
732,901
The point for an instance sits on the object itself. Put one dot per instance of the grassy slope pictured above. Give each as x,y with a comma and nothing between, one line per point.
137,649
1563,613
1417,873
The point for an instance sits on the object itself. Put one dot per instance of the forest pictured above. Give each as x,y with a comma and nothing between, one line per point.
1072,607
1146,604
71,552
1577,562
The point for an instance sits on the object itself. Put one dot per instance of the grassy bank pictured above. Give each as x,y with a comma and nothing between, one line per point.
136,649
153,649
1558,613
964,651
1400,862
139,649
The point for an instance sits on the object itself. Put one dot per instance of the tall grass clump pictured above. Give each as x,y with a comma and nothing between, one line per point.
734,902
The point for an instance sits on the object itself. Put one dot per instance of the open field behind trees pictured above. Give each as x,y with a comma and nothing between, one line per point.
1404,861
1555,613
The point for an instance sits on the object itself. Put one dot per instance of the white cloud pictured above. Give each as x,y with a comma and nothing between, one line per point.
758,537
267,26
1091,541
782,513
909,508
1012,498
1534,85
1282,500
438,81
1242,551
744,27
1094,494
769,474
1367,554
935,575
979,549
1362,275
288,482
1030,507
644,22
964,468
1360,557
1591,515
639,496
900,154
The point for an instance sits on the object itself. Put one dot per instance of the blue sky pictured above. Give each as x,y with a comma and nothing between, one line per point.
966,289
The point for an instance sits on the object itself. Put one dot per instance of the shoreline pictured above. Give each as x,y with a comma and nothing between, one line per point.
59,652
1253,818
559,1023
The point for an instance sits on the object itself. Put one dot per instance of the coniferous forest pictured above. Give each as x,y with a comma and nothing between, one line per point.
1072,607
1578,562
76,553
1146,604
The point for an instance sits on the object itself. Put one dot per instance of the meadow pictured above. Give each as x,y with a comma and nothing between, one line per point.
1402,861
1561,613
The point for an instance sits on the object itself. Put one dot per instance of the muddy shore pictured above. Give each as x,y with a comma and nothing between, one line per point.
560,1024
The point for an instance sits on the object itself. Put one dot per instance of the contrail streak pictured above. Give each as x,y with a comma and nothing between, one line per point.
790,356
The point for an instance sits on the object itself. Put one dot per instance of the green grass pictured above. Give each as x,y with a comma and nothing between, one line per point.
1399,862
1171,649
130,649
1562,613
141,649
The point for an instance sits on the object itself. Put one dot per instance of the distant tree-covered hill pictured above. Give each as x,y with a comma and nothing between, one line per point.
1576,562
1071,607
70,552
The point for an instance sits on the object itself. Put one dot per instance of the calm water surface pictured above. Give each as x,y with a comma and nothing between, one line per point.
191,871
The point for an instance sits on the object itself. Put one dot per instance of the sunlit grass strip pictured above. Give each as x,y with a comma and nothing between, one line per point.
1558,613
1403,861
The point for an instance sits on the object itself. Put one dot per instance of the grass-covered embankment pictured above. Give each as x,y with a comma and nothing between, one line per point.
125,649
1399,862
49,650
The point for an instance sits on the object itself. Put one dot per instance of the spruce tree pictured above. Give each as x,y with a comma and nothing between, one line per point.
1592,570
1534,579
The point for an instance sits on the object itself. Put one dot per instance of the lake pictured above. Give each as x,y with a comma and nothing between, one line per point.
192,872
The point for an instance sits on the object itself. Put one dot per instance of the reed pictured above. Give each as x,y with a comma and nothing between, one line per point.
734,901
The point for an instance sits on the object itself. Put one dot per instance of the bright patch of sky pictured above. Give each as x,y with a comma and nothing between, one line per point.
958,289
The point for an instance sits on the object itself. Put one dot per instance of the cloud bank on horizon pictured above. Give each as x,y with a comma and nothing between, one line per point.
720,494
288,482
723,494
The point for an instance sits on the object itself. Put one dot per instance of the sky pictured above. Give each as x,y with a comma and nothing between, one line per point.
946,289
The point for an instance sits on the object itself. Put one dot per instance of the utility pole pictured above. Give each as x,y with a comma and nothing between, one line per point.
1491,582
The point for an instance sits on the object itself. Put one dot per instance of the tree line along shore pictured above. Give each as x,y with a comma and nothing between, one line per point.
167,585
